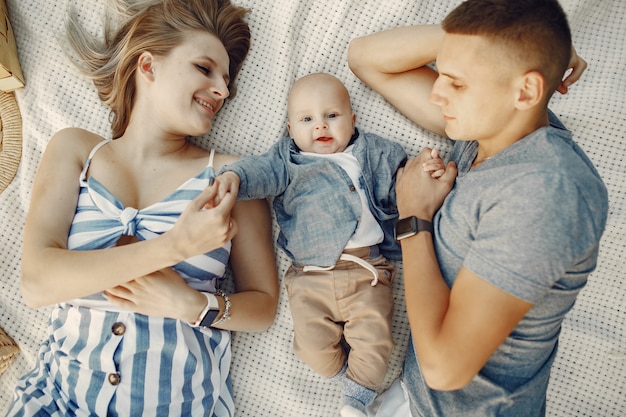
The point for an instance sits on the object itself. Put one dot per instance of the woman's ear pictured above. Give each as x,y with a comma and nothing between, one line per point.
145,65
531,92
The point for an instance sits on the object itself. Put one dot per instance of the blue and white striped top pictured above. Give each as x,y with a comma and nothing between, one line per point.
101,360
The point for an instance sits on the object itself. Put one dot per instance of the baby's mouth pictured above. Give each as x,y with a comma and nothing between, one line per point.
324,139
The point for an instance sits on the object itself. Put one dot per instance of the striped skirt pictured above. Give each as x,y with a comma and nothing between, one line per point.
108,363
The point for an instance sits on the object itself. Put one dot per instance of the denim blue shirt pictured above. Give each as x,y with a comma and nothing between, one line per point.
316,204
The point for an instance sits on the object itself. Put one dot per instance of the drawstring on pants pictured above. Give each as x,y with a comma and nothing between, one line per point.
351,258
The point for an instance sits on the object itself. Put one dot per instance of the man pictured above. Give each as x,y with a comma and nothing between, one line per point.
516,234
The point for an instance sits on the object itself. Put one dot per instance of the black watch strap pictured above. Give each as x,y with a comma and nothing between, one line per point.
410,226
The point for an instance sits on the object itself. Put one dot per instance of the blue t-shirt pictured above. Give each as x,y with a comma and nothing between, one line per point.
528,221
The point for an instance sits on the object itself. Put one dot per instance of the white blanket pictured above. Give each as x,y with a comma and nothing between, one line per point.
290,39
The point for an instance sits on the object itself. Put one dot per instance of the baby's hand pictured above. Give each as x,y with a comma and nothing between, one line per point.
226,183
434,165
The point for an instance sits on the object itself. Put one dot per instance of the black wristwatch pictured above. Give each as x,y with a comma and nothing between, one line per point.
410,226
210,312
209,318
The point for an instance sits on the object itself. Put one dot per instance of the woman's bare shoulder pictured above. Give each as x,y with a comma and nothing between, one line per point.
73,142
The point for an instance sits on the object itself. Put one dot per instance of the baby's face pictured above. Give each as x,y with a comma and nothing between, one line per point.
320,116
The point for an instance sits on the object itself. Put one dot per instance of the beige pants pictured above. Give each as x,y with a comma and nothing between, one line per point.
326,305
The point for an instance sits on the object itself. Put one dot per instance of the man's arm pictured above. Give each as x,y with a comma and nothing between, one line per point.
393,63
456,330
577,65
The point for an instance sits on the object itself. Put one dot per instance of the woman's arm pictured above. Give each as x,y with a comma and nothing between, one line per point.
51,273
393,63
254,268
253,307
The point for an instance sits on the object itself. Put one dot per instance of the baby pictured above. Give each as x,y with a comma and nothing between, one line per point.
335,203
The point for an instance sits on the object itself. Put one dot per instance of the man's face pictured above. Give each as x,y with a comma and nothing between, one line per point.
475,89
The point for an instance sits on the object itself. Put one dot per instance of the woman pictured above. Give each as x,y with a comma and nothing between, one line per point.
126,236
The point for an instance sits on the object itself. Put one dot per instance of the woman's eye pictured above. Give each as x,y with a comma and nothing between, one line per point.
203,69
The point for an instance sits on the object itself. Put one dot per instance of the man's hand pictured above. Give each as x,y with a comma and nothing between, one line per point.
577,65
419,192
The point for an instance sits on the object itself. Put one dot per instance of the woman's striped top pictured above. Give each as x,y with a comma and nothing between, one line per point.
101,360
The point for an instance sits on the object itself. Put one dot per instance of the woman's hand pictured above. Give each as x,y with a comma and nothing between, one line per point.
162,294
205,224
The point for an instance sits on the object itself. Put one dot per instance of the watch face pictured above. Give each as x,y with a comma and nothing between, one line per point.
406,227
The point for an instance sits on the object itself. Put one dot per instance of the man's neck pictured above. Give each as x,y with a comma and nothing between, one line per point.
515,131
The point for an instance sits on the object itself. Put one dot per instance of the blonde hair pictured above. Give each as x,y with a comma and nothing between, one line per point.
157,26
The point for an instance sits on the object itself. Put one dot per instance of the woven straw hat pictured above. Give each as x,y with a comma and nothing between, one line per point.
8,350
10,138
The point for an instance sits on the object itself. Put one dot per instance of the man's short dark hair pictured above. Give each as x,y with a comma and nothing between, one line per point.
535,32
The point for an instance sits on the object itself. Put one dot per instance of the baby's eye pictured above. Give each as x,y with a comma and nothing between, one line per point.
332,115
306,119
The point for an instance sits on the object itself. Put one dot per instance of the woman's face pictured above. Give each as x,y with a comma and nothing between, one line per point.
190,84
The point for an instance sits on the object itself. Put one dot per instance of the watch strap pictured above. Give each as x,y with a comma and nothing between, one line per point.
424,226
209,313
410,226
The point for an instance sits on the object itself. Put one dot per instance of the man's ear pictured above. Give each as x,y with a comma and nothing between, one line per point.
532,87
145,65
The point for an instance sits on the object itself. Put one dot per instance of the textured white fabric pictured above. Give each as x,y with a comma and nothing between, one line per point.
290,39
